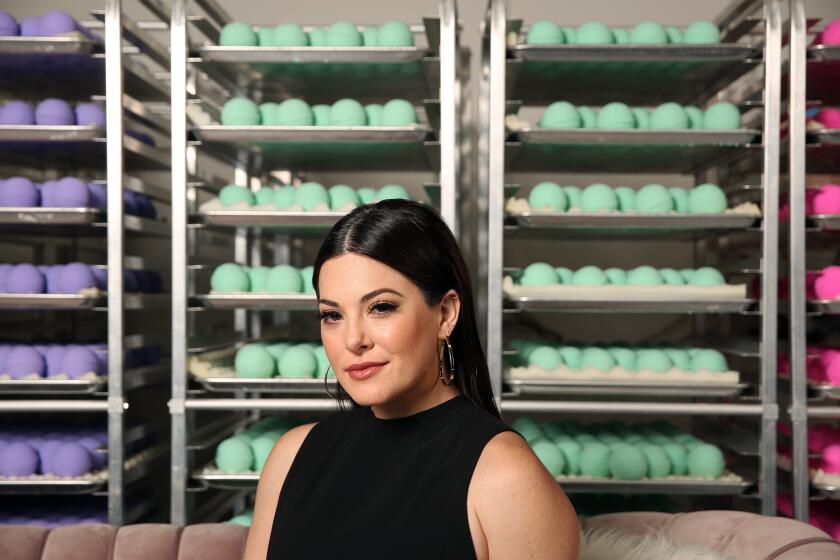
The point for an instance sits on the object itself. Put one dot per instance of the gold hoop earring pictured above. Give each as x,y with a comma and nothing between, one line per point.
450,378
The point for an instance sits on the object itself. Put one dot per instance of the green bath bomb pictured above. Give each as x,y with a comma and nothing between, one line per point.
525,423
547,195
229,277
706,461
707,199
545,357
392,192
572,356
550,456
241,520
642,117
626,198
367,195
597,358
538,274
265,195
624,357
594,33
679,358
258,276
297,362
311,194
687,274
240,111
696,120
306,279
545,33
373,112
621,36
671,277
294,112
588,117
262,447
571,453
234,194
616,276
722,115
598,197
342,195
595,460
707,276
276,349
344,34
710,360
570,33
370,36
284,278
628,463
573,195
702,32
347,112
669,116
289,35
659,465
317,37
675,35
284,197
616,115
395,34
398,112
234,455
589,276
268,114
321,115
265,36
564,275
254,360
680,197
654,198
560,114
678,457
648,33
644,276
322,363
237,34
654,360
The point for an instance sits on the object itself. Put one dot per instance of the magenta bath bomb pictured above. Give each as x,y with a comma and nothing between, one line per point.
78,361
54,112
17,113
76,277
827,284
57,22
19,192
25,279
18,459
71,192
71,459
23,361
90,114
826,201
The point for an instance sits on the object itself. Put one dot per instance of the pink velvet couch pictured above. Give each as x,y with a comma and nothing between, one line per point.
742,536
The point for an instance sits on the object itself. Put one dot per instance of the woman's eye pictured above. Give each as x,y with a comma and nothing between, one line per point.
328,316
383,307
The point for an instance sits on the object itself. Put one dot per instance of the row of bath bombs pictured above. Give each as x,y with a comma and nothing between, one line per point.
670,115
248,450
283,278
544,274
605,358
546,32
339,34
598,197
310,195
615,450
241,111
304,360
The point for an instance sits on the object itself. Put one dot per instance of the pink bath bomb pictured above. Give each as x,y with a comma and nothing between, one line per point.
820,436
810,279
831,458
25,279
55,112
827,200
832,371
829,117
57,22
831,35
827,284
75,277
17,113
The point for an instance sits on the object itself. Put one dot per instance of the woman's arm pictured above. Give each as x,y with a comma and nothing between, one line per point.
522,510
271,482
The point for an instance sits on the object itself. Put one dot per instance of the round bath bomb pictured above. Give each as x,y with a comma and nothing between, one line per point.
289,35
322,363
573,195
265,36
588,117
71,459
234,455
230,277
621,36
648,33
262,447
564,275
8,25
97,193
395,34
392,192
702,32
594,33
722,115
550,456
317,37
373,112
644,276
696,120
370,36
5,268
341,196
398,112
659,465
285,196
626,199
18,459
284,278
538,274
295,112
642,117
707,198
257,278
709,360
671,277
311,194
654,198
572,356
595,460
669,116
571,453
56,22
367,195
547,195
627,462
598,197
18,192
297,362
254,360
653,360
681,199
25,279
827,200
70,192
30,26
344,34
276,349
347,112
680,358
545,357
52,357
597,358
54,274
54,112
707,276
675,35
560,114
23,361
238,34
17,112
624,357
545,32
90,114
616,276
678,457
264,196
75,277
76,361
827,283
240,111
589,276
321,115
268,114
570,33
706,461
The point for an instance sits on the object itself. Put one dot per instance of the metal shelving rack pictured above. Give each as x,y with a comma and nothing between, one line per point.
515,75
205,75
77,63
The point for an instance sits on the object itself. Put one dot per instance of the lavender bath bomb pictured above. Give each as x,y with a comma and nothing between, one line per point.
8,24
18,459
30,26
98,195
77,361
19,192
53,359
17,113
92,444
76,277
90,114
5,268
52,275
23,361
71,459
71,192
57,22
101,276
25,279
54,112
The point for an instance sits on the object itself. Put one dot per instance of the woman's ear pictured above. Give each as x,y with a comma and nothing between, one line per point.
450,308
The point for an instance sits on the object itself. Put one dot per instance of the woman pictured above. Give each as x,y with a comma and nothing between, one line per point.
421,466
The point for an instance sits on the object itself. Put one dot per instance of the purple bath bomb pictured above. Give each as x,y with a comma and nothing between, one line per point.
19,192
30,26
5,268
130,202
101,354
23,361
144,283
71,459
130,283
77,361
71,192
98,195
57,22
18,459
25,279
47,190
53,275
75,277
145,208
54,112
4,353
92,444
46,452
101,276
53,359
18,113
8,24
90,114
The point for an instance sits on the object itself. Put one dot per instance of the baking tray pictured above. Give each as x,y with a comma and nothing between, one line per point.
72,147
260,133
71,43
257,301
534,387
825,391
824,52
825,306
830,491
635,136
829,136
80,485
825,221
52,386
241,481
272,385
273,219
52,301
634,223
665,486
50,133
634,306
50,216
322,55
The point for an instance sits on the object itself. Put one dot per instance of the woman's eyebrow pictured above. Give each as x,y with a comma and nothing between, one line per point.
365,297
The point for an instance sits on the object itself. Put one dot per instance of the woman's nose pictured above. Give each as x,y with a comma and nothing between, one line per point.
356,338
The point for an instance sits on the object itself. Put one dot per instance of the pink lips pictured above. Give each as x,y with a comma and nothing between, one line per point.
360,372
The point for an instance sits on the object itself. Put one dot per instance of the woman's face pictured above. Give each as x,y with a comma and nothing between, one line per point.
379,335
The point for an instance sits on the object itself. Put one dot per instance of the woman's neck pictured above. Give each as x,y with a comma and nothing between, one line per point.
412,403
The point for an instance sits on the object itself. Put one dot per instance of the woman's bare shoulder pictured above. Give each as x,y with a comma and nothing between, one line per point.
286,449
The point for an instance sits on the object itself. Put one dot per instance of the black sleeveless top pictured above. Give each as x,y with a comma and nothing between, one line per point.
361,487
